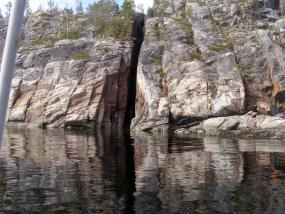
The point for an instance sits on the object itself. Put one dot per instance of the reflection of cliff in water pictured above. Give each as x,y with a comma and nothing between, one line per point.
209,175
73,172
57,171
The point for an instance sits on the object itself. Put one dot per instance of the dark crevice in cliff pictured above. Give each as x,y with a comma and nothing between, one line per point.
138,35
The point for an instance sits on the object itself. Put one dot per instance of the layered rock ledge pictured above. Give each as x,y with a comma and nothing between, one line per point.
72,82
54,89
249,125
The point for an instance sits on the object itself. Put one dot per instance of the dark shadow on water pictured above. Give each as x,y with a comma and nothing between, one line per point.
66,172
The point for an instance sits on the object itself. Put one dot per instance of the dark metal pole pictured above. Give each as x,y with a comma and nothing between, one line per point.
9,57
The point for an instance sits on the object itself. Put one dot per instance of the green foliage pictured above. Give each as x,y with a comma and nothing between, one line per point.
222,47
22,37
110,21
119,28
51,5
196,56
262,26
158,60
214,21
200,2
73,34
161,73
188,30
44,25
160,6
241,66
128,9
104,9
150,12
184,22
245,71
46,40
81,56
158,30
280,44
46,14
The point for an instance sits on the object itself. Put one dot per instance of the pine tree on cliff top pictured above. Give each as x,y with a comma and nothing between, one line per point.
79,7
8,8
159,6
28,10
101,15
51,5
128,9
109,20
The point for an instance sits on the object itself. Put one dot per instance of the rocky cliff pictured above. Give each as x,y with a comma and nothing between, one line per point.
204,59
75,82
199,59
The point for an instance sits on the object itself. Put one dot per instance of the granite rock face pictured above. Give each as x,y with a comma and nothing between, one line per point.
199,59
82,82
251,124
210,59
244,122
54,92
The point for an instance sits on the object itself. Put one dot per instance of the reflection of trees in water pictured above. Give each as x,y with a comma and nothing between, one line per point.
54,170
208,175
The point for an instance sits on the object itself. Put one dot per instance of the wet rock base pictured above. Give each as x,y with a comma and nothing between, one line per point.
250,125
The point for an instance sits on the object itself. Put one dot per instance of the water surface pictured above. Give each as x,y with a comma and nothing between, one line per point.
108,172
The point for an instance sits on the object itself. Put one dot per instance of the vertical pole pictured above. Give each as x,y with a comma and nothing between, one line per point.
9,57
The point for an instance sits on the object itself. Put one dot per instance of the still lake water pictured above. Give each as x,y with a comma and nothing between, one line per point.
75,172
